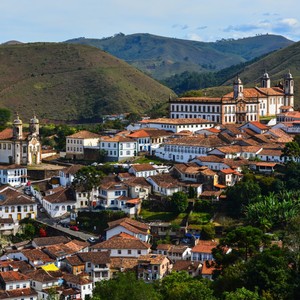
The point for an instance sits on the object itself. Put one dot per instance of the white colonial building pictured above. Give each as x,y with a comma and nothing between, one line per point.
76,143
18,147
176,125
239,106
187,148
118,148
14,175
15,205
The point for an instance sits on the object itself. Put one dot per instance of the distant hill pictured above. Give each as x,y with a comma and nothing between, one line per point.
67,82
162,57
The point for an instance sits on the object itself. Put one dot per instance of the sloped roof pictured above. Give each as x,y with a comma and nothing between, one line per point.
98,258
204,246
84,134
122,241
10,276
62,196
50,240
10,196
129,224
143,167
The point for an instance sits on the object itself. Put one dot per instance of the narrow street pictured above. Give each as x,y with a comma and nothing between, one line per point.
43,218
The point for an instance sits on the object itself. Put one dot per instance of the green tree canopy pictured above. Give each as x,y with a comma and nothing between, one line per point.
125,287
179,202
181,286
245,242
5,116
242,294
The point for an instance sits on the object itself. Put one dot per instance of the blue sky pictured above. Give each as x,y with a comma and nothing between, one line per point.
59,20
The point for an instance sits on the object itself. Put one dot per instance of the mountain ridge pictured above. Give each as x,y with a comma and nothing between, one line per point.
162,57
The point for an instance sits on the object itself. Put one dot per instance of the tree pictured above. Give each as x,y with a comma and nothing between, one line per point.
5,116
88,178
208,232
291,150
273,210
270,272
244,241
243,193
180,286
133,117
125,287
242,294
29,231
179,202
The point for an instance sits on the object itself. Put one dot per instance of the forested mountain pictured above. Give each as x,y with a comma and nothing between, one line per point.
162,57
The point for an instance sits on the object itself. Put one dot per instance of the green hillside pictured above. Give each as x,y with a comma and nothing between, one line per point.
162,57
67,82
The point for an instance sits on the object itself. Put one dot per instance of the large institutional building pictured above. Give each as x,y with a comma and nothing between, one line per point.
18,147
239,106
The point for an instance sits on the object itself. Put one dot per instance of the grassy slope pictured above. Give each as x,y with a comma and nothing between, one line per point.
162,57
72,82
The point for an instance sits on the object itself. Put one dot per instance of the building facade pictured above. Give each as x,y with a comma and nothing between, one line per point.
18,147
239,106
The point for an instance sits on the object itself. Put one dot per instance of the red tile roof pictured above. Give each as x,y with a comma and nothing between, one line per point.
204,246
130,224
142,167
10,276
84,134
122,241
138,134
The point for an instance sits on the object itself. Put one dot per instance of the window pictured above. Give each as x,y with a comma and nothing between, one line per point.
139,252
129,251
119,251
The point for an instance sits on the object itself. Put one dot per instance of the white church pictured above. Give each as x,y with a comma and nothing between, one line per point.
18,147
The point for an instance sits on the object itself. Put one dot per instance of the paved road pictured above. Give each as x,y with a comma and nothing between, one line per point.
42,218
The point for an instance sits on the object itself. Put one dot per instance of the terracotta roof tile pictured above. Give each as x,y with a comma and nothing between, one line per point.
130,224
84,134
179,121
98,258
51,240
123,263
186,265
122,242
152,259
142,167
165,180
18,293
199,141
204,246
61,196
10,196
10,276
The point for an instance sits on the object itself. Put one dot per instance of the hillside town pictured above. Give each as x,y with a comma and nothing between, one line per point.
155,198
